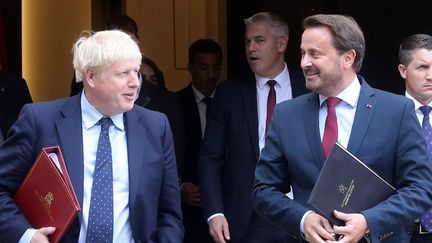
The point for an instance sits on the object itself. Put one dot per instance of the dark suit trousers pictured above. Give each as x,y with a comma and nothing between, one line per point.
196,227
261,231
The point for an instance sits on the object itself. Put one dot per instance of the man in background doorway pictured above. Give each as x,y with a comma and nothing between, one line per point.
204,65
14,94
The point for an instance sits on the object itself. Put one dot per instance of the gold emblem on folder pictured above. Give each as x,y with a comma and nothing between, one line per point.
342,189
49,198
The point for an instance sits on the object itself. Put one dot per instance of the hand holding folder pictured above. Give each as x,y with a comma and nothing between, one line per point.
348,185
46,196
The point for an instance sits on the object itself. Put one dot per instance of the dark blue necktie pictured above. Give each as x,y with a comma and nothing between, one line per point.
426,220
100,224
207,100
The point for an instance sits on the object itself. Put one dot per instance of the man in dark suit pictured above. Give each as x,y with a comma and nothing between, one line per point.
204,65
235,133
415,67
14,94
156,98
378,127
142,169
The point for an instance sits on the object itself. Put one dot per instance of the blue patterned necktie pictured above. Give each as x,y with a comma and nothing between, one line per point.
426,220
100,224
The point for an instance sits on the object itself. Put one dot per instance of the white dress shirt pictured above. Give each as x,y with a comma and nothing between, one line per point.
417,105
202,107
283,92
122,231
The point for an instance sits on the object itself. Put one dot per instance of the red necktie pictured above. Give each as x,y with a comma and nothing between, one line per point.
331,128
271,102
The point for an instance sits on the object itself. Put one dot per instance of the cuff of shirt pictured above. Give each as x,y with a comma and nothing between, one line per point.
27,236
214,216
302,222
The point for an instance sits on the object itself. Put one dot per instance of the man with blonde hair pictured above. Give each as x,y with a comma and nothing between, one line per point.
139,190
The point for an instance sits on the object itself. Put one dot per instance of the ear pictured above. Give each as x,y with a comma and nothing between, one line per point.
282,43
89,77
402,71
348,58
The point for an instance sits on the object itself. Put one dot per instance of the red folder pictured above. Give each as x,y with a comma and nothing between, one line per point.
46,196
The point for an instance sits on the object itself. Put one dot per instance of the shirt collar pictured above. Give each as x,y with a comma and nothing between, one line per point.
198,95
282,79
417,103
349,95
91,116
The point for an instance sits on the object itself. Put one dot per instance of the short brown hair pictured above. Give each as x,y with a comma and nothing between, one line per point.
411,43
347,34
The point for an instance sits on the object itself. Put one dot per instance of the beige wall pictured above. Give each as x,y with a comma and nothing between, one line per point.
166,29
49,28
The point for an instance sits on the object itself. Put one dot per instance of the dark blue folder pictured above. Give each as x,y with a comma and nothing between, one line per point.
348,185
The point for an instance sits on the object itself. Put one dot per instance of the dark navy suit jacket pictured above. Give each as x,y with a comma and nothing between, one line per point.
154,200
14,94
385,135
230,150
193,130
196,228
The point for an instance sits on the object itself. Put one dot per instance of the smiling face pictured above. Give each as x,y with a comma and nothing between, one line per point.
264,51
326,71
418,75
114,89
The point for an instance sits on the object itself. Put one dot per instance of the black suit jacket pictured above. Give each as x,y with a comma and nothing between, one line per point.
196,229
14,94
193,130
156,98
230,150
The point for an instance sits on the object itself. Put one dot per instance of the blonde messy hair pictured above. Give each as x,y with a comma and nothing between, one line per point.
98,50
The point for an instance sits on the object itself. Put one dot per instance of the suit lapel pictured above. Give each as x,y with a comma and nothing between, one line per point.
311,123
194,117
69,130
365,107
250,105
135,134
